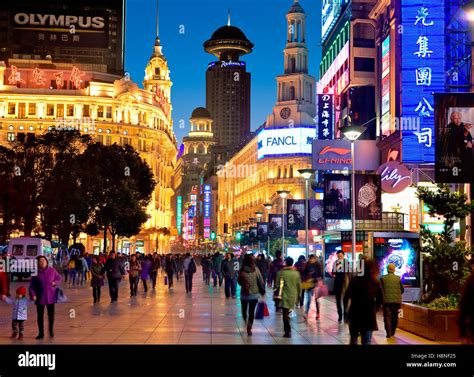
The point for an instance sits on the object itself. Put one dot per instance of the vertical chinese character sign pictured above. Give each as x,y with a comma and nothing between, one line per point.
423,72
325,116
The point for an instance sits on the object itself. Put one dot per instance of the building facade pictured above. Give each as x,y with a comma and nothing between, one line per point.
228,88
38,95
270,160
81,32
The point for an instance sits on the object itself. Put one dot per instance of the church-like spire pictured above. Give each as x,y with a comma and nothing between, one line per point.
157,47
228,17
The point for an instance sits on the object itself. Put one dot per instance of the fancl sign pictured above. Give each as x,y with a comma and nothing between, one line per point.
284,141
395,177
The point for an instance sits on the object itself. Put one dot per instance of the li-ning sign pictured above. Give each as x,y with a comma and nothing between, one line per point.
336,155
395,177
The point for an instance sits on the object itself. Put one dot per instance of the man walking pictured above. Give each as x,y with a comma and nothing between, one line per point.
115,273
217,268
341,281
189,269
392,299
229,275
288,282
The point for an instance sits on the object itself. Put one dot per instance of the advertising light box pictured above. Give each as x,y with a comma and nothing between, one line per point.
285,141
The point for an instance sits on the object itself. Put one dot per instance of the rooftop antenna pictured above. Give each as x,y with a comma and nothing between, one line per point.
157,21
228,17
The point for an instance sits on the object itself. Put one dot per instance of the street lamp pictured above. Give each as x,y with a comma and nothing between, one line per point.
283,194
468,8
259,215
268,207
306,174
353,133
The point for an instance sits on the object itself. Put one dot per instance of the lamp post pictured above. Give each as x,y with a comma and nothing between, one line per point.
259,215
283,194
252,220
306,174
353,133
268,207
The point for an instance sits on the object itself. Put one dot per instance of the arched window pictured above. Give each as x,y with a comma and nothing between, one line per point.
292,64
200,149
292,93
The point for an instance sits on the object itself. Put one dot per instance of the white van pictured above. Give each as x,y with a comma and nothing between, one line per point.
30,248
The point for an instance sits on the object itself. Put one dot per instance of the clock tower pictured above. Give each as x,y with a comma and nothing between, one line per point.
296,105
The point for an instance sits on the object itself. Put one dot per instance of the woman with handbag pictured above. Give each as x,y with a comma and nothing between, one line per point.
97,278
311,276
252,285
42,291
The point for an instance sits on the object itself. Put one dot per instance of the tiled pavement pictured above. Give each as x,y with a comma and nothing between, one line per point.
174,317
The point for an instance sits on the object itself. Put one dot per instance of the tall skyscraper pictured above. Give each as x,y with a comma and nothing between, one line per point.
228,87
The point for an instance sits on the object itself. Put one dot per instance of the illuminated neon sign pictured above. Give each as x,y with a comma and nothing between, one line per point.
285,141
423,73
179,213
207,211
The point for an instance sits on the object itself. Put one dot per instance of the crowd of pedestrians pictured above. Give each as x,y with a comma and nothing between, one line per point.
358,296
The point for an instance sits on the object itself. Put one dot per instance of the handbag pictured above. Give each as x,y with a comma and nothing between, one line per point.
322,290
307,284
260,284
277,296
60,297
266,312
260,310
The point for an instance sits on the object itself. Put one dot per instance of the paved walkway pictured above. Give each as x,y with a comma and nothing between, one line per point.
174,317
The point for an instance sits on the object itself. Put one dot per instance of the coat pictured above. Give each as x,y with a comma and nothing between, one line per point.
392,289
146,269
217,263
291,287
227,268
41,286
97,272
263,265
3,284
114,268
365,295
248,280
135,268
275,267
20,308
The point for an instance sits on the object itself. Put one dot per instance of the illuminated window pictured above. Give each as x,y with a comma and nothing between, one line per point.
11,108
100,139
109,112
32,109
21,110
50,109
10,127
21,127
31,128
70,110
125,132
108,140
108,131
11,136
100,130
86,111
60,111
100,112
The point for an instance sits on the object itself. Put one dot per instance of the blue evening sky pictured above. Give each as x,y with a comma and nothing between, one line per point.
262,21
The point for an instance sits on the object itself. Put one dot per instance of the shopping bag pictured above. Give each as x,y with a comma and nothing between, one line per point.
266,312
60,296
260,310
166,280
322,290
